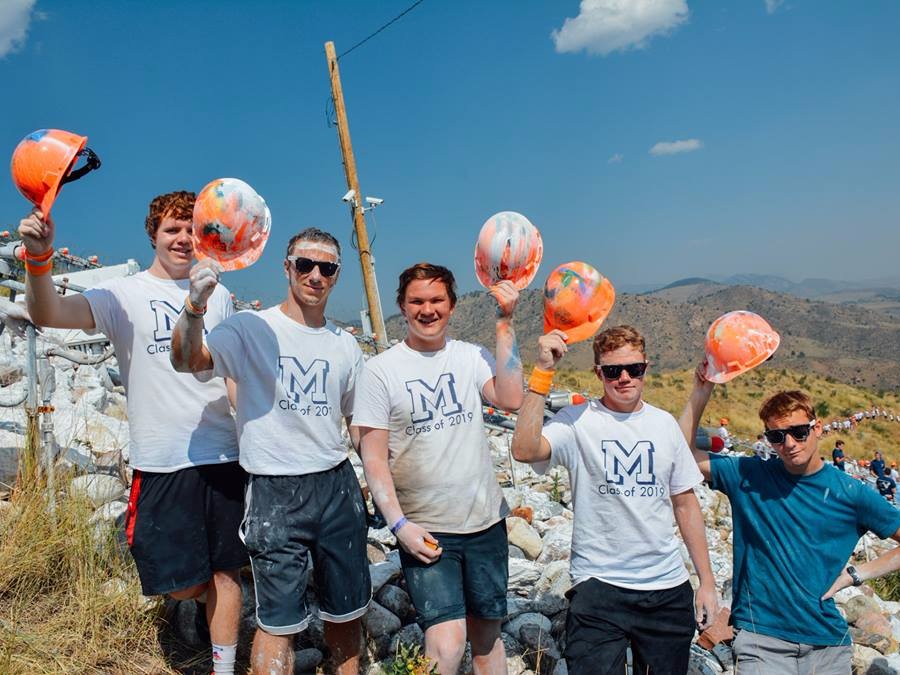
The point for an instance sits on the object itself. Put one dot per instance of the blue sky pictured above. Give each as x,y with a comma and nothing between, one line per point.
775,128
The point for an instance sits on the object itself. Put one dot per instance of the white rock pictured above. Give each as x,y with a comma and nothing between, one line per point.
521,534
522,576
109,513
98,488
382,536
550,590
557,545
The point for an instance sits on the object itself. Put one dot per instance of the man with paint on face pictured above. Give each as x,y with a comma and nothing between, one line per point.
428,465
295,373
187,491
631,473
789,560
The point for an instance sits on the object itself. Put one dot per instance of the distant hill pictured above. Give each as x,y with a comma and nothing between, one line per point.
847,343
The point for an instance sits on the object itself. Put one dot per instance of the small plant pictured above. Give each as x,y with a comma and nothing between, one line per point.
555,491
409,660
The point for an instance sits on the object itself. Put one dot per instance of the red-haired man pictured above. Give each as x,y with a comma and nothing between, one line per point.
187,493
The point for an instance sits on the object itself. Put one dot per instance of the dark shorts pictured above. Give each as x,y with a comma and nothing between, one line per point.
603,619
469,578
287,519
182,526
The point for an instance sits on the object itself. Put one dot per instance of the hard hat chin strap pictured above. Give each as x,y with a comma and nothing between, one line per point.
91,162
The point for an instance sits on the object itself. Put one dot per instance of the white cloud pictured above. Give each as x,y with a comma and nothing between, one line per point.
676,147
615,159
15,15
772,5
604,26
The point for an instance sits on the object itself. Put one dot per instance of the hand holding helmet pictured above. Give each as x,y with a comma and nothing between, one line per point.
37,232
204,279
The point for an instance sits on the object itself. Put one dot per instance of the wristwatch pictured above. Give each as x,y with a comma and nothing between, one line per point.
851,570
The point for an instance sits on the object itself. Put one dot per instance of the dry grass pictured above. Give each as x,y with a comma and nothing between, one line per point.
740,399
70,601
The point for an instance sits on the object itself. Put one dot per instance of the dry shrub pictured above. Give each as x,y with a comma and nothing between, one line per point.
70,601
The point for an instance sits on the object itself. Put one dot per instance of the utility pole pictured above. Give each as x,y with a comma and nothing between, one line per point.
366,261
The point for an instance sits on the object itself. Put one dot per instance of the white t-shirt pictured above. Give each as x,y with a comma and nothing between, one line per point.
439,457
175,419
294,383
623,469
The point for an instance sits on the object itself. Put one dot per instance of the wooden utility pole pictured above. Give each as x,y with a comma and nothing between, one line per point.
366,260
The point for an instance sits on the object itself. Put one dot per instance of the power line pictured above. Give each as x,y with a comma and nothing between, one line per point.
396,18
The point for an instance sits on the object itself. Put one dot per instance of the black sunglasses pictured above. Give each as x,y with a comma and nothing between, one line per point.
635,370
799,432
305,265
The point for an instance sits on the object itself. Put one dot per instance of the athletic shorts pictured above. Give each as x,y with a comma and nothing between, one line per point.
289,519
469,579
182,526
603,619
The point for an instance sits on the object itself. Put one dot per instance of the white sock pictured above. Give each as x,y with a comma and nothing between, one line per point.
223,659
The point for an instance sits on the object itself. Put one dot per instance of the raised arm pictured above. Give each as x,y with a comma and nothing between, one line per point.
412,537
189,354
528,445
45,306
690,418
505,390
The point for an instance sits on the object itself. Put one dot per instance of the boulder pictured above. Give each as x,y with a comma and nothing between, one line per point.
98,488
522,576
521,534
550,590
514,626
408,635
884,645
397,601
859,606
516,552
380,621
541,652
383,572
868,661
556,545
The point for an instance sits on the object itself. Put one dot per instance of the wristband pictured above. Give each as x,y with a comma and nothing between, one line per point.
540,381
400,523
192,310
40,257
38,269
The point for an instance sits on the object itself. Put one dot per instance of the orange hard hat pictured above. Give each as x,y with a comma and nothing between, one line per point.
735,343
577,298
231,223
44,161
509,248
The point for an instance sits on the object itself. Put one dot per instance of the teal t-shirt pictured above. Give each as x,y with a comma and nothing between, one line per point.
792,537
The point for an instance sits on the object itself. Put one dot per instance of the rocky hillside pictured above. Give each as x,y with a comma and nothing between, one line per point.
849,343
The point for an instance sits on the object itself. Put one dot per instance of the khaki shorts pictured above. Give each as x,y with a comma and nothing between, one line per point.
758,654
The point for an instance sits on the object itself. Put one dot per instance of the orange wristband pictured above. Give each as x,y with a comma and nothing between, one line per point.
193,311
39,269
540,381
41,257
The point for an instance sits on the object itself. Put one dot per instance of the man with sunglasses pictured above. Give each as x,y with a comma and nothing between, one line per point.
631,473
796,524
295,373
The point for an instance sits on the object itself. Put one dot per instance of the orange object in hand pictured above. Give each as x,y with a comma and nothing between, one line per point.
430,544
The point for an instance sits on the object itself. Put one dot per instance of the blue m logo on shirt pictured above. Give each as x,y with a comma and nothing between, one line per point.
166,315
426,400
309,381
636,462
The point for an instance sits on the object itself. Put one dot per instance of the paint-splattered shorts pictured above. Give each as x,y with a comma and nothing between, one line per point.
290,519
469,579
182,526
